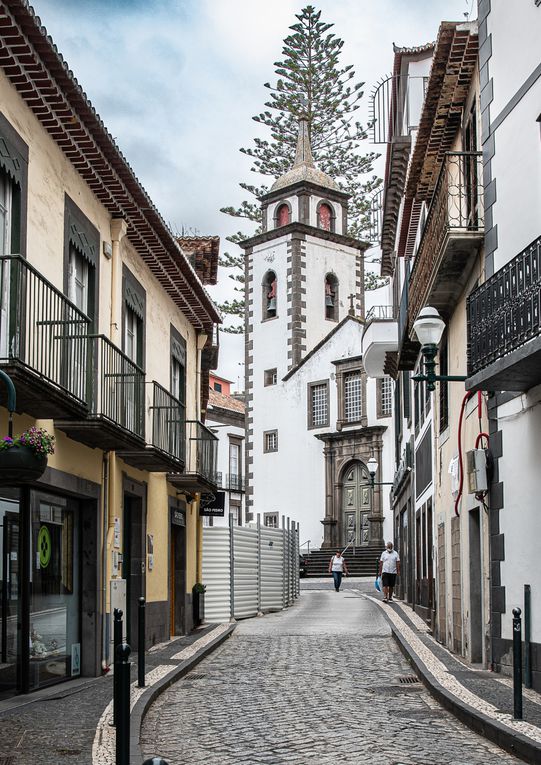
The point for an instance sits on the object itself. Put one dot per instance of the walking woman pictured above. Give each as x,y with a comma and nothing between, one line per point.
337,567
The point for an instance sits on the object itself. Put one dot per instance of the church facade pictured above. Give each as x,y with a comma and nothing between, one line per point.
313,417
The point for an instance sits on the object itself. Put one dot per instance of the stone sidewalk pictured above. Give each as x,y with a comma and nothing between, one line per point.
69,724
481,699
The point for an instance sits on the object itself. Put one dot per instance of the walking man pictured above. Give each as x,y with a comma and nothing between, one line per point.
337,567
389,569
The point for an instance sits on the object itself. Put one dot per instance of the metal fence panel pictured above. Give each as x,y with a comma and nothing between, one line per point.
245,572
216,575
272,569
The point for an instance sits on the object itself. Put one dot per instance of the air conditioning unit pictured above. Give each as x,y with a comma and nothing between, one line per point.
476,467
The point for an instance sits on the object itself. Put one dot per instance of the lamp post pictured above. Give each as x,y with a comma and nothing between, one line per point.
429,327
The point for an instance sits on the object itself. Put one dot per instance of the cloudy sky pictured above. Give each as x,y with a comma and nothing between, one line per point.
177,82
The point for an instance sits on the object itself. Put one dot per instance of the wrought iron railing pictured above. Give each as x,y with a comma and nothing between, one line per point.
378,312
219,479
456,206
235,482
202,450
119,391
168,422
395,106
403,307
42,329
505,311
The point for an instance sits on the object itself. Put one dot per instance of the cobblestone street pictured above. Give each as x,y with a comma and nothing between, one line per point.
320,682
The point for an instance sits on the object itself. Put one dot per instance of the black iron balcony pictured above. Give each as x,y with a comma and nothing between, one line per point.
201,456
235,482
165,450
117,416
504,326
452,236
44,344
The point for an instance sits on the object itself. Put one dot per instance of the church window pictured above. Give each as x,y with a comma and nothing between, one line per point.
325,217
271,376
318,404
270,441
283,216
331,297
270,520
352,396
385,397
270,295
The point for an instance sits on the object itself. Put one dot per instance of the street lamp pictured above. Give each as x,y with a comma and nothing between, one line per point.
429,327
372,466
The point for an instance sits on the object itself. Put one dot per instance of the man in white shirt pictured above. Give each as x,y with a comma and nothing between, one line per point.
389,569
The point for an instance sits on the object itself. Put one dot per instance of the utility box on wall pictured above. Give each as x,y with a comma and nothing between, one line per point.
476,466
117,600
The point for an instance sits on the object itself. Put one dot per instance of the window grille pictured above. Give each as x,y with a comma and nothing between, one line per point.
352,396
386,397
271,441
319,405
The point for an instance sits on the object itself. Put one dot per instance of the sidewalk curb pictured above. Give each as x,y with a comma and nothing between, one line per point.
513,742
141,707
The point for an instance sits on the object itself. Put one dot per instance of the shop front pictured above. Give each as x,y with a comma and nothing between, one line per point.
43,634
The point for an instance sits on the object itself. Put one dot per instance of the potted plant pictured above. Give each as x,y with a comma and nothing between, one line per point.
198,603
24,458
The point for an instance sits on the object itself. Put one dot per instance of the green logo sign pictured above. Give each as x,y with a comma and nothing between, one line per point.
44,546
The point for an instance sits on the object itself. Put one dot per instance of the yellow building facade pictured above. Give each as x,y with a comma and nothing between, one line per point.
107,333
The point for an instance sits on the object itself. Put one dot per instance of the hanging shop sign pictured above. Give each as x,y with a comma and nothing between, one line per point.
178,517
215,508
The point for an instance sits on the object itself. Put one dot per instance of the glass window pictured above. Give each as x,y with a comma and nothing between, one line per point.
319,405
352,396
55,644
270,520
271,376
78,279
5,213
234,459
385,385
218,387
270,443
130,338
10,578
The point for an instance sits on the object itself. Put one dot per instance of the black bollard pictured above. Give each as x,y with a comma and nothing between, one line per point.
141,650
527,636
123,717
517,664
117,640
155,761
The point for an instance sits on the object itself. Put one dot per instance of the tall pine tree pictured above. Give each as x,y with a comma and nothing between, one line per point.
311,82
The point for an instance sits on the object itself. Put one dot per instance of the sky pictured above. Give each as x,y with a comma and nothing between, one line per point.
177,82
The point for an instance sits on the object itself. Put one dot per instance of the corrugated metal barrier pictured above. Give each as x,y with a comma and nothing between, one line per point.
249,570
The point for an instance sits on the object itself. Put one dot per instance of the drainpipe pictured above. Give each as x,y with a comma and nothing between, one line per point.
119,227
201,342
105,523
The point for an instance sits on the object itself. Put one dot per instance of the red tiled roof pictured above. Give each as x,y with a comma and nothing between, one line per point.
202,251
221,401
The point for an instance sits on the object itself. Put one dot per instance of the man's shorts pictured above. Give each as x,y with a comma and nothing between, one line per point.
388,580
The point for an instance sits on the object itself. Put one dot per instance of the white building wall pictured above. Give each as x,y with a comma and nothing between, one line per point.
324,258
222,432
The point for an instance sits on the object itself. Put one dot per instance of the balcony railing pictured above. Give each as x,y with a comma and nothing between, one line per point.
380,312
456,210
235,482
504,312
42,330
202,450
395,106
119,389
168,423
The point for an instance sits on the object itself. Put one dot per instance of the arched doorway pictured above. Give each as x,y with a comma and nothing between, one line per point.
356,505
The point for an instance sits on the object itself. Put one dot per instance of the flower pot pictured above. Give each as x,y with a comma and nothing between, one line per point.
198,607
20,464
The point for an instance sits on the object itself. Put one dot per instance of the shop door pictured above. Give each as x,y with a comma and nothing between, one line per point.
178,580
9,596
356,507
133,566
55,610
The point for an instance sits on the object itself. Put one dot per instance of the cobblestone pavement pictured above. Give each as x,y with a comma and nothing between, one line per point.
318,683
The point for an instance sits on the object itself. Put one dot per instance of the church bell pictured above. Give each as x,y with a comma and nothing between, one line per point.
329,302
271,306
